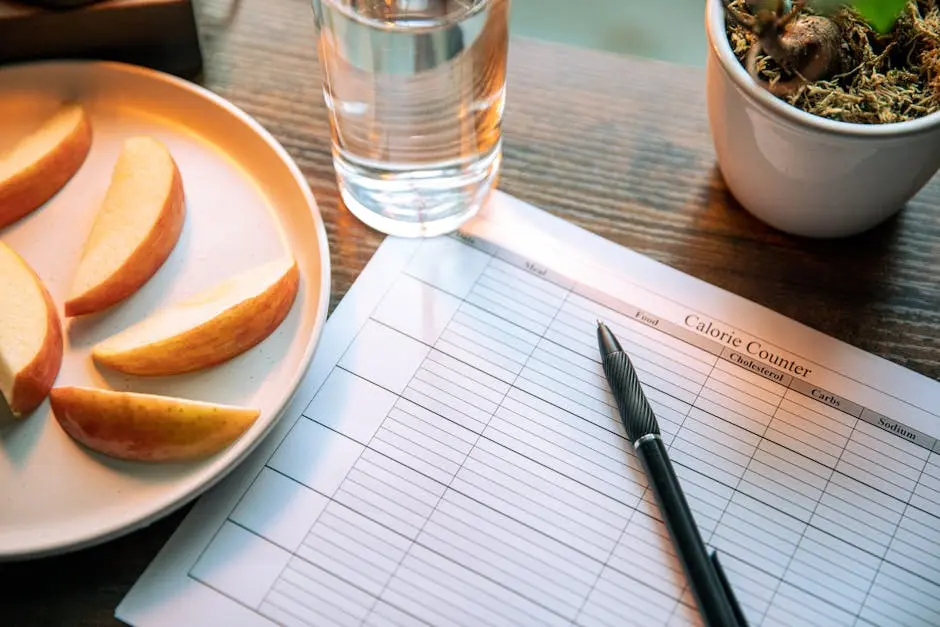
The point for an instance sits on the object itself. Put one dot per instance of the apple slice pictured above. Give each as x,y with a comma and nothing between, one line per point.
206,329
147,427
135,230
41,163
30,335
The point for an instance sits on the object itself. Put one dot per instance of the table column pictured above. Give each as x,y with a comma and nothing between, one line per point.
734,410
642,580
801,447
460,558
905,591
837,558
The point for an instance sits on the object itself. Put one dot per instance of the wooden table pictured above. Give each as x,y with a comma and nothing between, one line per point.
619,146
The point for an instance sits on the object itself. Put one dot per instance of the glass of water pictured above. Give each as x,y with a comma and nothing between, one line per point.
416,91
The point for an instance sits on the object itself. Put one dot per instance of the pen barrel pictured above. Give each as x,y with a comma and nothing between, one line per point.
635,412
707,588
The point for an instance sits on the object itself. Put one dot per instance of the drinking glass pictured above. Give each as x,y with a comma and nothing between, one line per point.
415,91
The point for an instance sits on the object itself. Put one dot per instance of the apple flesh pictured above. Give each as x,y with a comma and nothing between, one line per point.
30,335
208,328
41,163
135,230
147,427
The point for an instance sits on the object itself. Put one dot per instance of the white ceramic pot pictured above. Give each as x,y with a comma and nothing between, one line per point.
804,174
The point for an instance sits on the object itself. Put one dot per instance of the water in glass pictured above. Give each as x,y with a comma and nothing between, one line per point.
415,90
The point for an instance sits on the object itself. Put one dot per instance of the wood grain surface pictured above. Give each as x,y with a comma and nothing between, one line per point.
619,146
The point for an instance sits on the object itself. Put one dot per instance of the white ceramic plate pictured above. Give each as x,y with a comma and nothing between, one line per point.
246,202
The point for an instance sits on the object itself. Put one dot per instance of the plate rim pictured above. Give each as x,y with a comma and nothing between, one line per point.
148,516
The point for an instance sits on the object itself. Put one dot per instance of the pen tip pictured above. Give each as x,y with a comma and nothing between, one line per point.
606,341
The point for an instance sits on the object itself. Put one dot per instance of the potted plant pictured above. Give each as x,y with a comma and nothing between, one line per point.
825,115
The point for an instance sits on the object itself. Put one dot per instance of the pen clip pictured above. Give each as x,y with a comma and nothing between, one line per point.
729,593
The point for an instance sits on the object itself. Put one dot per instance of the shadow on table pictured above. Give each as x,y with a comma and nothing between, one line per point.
866,257
87,585
802,277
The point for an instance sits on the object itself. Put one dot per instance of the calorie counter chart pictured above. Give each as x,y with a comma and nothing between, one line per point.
463,463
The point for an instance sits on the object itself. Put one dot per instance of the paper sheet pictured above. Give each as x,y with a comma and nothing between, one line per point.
453,456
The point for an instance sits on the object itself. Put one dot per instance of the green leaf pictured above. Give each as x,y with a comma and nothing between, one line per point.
881,14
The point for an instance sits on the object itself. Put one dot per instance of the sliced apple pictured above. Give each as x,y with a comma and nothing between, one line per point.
41,163
208,328
147,427
30,335
135,230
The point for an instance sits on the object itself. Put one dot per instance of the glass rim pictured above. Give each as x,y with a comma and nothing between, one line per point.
412,25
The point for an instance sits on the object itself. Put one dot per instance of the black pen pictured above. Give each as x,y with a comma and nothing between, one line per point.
713,594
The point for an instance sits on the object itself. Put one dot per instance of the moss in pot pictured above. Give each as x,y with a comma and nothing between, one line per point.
825,115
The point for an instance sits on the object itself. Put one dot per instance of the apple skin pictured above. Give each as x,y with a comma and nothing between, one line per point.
217,340
31,385
31,187
147,427
143,263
